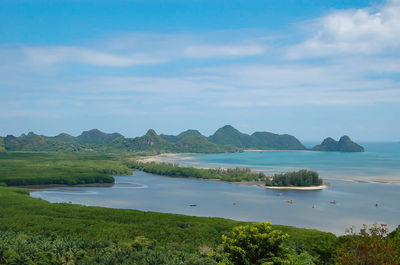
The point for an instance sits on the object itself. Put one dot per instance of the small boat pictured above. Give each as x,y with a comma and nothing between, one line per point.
193,205
333,202
234,203
290,201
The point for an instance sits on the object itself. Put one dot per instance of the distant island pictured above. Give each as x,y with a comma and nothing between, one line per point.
296,180
225,139
345,144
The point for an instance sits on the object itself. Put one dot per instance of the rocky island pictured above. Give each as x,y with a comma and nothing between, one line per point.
345,144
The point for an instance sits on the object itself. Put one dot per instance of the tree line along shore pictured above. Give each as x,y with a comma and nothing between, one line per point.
25,168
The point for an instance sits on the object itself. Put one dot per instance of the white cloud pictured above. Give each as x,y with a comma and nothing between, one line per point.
205,51
359,31
62,54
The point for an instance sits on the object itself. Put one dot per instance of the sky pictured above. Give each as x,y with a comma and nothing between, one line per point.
312,68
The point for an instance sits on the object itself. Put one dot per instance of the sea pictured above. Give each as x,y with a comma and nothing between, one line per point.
364,189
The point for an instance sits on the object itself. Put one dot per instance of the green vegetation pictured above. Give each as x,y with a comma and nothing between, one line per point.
33,231
370,246
225,139
113,232
18,168
345,144
228,135
23,248
176,138
95,140
301,178
255,244
2,148
174,170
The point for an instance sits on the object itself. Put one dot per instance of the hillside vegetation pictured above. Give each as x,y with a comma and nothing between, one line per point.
225,139
345,144
228,135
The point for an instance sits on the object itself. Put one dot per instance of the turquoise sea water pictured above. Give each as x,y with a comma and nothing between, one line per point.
380,162
356,202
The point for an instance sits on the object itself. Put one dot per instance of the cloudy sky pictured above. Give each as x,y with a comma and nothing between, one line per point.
308,68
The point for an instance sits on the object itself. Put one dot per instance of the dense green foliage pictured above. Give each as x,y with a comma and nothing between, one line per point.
225,139
256,244
174,170
95,140
33,142
187,236
371,246
2,148
301,178
59,168
345,144
176,138
22,248
228,135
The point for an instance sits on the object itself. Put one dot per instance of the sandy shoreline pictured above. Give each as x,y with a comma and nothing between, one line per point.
273,150
165,158
177,158
321,187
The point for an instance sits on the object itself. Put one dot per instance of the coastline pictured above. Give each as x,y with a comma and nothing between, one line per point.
167,157
177,158
164,158
321,187
274,150
46,186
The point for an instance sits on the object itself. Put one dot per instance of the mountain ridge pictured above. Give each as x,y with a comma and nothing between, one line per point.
225,139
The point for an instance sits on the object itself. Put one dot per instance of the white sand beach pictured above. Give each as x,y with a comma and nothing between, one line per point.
321,187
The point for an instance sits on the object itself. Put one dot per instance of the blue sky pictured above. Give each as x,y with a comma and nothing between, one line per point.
308,68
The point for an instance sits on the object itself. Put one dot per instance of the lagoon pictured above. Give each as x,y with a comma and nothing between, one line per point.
356,203
359,182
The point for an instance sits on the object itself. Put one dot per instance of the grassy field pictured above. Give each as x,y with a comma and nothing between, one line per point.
30,168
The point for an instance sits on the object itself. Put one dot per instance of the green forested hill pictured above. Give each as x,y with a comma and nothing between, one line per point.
176,138
225,139
258,140
97,137
267,140
190,141
345,144
229,135
38,143
202,145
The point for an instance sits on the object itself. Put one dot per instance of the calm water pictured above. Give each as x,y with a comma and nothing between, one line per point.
356,202
380,162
